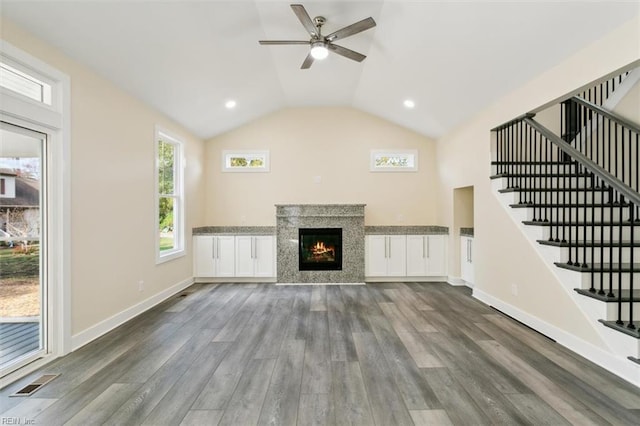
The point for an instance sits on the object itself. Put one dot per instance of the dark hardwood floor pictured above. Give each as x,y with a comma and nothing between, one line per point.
381,354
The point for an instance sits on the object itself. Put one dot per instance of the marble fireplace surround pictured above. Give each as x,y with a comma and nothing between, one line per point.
349,217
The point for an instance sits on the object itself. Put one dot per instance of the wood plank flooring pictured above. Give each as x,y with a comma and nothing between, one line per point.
383,354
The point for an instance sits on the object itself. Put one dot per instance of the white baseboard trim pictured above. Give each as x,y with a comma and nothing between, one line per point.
103,327
404,279
232,280
456,281
619,366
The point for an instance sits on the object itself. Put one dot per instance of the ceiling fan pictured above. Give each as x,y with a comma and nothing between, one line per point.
321,44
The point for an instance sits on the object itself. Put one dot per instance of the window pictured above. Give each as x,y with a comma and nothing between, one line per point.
170,199
394,161
25,84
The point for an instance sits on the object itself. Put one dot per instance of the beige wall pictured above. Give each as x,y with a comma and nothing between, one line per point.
333,143
112,191
503,257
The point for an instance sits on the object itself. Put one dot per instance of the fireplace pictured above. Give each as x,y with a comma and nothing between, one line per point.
320,249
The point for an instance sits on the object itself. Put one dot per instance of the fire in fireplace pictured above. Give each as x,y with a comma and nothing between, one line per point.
320,249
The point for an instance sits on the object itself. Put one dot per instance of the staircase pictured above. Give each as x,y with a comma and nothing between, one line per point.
576,193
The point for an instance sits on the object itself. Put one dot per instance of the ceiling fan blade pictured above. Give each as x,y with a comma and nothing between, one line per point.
352,29
307,62
305,19
347,53
278,42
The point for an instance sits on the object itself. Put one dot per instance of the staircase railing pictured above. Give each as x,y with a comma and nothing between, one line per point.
585,190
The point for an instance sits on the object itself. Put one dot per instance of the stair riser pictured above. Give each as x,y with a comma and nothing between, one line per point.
611,312
576,214
557,197
599,310
574,232
563,255
548,182
621,343
534,169
584,280
543,183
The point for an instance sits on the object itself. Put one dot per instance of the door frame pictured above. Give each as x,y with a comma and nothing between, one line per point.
54,121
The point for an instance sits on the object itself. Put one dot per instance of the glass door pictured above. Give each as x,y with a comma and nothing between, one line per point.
23,283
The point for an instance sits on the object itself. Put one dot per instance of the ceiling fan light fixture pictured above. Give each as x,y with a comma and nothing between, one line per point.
319,50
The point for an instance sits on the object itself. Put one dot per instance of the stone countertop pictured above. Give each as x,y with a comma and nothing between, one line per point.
406,230
466,232
234,230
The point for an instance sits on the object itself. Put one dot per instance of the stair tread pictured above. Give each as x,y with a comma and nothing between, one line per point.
623,328
539,163
601,267
614,223
542,175
626,295
598,243
507,190
563,206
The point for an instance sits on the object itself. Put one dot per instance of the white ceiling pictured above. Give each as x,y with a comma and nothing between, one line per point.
187,58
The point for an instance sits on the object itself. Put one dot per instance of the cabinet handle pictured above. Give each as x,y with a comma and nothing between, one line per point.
218,248
386,243
428,248
470,251
213,248
424,243
389,240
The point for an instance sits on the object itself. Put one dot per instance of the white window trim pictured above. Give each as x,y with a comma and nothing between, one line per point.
179,220
55,121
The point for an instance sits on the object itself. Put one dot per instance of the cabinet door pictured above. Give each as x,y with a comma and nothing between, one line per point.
416,255
464,258
264,256
225,256
397,255
375,255
436,255
470,270
244,256
203,261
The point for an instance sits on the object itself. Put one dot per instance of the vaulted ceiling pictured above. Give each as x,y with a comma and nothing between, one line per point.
187,58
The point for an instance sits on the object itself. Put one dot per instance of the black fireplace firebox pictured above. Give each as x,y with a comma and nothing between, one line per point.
320,249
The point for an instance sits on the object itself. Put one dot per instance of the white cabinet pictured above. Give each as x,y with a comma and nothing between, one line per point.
406,256
385,255
214,256
255,256
466,259
426,255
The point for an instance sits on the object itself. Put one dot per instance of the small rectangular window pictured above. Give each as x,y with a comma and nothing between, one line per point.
170,203
24,84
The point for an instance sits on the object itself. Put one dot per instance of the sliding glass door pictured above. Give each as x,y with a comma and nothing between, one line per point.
23,253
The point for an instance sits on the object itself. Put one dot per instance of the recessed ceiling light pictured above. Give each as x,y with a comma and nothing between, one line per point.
231,104
409,104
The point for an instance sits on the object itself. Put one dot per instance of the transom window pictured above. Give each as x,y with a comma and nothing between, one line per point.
25,84
170,199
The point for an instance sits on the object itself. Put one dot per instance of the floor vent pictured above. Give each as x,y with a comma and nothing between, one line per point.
35,385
